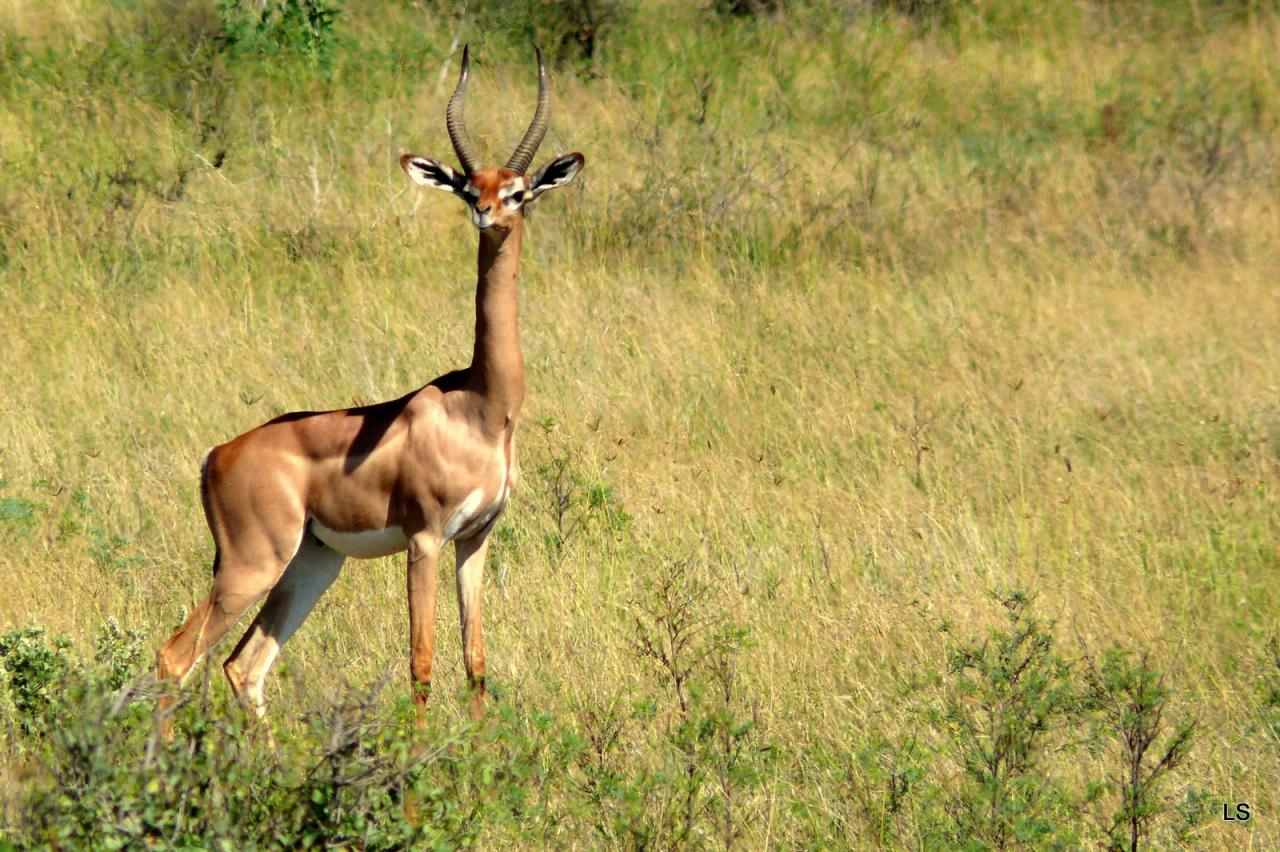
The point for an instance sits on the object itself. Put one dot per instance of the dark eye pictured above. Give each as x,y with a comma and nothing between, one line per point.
514,199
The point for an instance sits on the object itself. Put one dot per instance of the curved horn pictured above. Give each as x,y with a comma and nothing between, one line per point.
453,119
537,128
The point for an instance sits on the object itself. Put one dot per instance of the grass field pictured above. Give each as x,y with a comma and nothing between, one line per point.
860,324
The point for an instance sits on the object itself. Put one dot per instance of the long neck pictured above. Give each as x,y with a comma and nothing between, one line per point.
497,366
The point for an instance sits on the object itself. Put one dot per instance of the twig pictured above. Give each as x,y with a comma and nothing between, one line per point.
444,66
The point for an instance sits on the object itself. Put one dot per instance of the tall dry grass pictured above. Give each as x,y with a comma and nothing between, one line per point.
864,319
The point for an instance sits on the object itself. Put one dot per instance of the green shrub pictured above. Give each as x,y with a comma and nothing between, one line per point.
305,28
714,751
1009,702
361,774
18,514
1131,703
1007,718
33,670
572,32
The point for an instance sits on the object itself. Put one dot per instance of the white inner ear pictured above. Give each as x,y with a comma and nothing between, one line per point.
539,187
423,172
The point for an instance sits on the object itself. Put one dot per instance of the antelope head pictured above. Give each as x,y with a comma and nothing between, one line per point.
496,197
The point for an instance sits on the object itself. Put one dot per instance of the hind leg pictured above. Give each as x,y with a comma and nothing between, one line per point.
243,574
310,573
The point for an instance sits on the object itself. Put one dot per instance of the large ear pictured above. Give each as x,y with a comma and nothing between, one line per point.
557,173
425,171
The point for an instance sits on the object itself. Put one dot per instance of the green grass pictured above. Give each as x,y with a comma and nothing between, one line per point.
856,316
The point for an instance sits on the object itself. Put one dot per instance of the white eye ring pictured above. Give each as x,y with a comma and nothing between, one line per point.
514,199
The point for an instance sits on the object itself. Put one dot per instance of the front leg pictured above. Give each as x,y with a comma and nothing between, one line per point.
424,554
470,558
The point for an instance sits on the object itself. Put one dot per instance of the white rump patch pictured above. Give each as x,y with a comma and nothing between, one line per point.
363,544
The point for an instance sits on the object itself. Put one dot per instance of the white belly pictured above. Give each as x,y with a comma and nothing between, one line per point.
365,544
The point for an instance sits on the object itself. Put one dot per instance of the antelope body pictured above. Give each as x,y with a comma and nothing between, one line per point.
287,502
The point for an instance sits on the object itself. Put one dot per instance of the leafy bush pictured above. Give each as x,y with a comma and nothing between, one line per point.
306,28
1010,715
574,504
746,7
714,750
32,671
674,761
570,31
17,513
1010,700
360,774
1131,701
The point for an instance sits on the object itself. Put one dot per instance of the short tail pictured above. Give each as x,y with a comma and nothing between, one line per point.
207,502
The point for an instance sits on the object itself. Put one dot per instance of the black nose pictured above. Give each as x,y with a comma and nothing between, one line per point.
483,210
